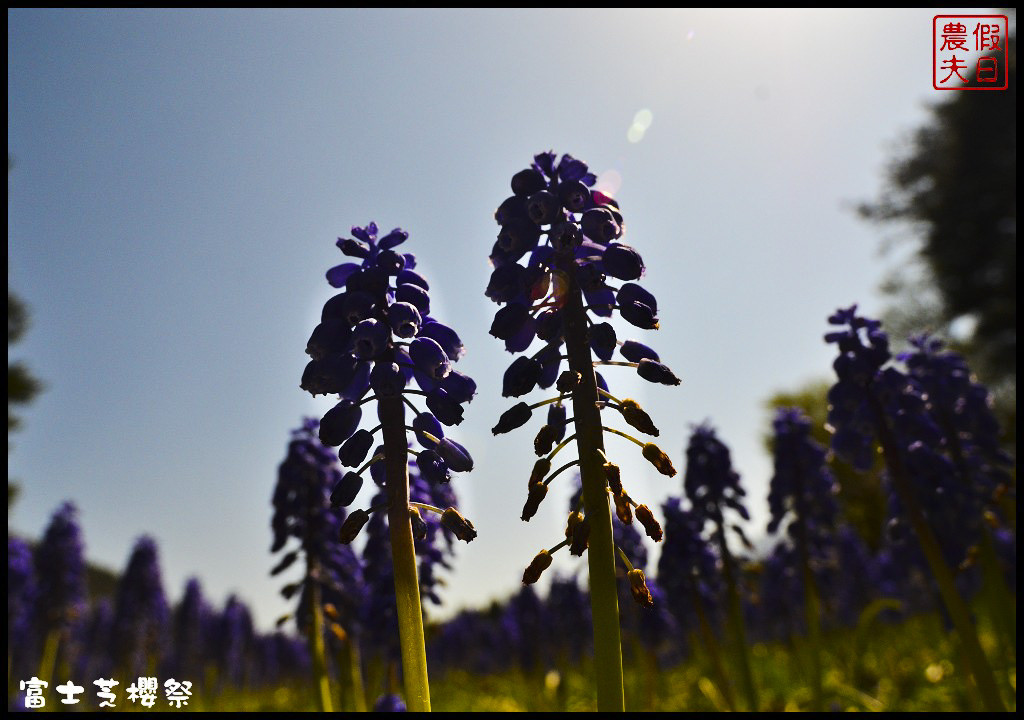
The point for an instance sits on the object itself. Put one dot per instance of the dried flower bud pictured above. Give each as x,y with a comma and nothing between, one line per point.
638,418
574,517
659,459
614,477
540,470
537,493
568,381
331,611
419,526
580,537
622,508
452,520
538,565
352,525
651,525
638,586
545,439
338,631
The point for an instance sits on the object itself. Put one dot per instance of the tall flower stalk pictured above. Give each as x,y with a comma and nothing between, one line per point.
802,494
713,487
375,337
60,596
872,401
302,510
575,267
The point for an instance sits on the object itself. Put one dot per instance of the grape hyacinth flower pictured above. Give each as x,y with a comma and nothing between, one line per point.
925,462
713,487
21,600
191,625
60,577
803,492
302,511
574,265
375,338
141,615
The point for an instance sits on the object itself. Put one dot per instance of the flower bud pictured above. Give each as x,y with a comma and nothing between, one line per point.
339,423
528,181
635,352
622,508
622,262
433,467
521,377
540,470
538,565
544,440
568,381
580,536
353,451
651,525
614,477
419,526
537,493
463,529
638,418
516,416
455,455
659,459
352,525
654,371
638,586
346,489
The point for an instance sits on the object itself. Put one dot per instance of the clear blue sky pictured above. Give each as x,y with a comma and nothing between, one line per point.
180,179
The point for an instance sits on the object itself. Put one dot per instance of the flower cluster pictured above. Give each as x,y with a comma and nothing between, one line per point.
60,572
688,567
802,488
141,621
934,424
558,259
302,510
378,334
710,483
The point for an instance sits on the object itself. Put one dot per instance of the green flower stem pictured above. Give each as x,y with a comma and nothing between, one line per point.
352,670
542,403
48,661
711,645
321,681
609,396
561,445
428,508
739,630
959,613
563,467
604,602
625,435
403,553
812,606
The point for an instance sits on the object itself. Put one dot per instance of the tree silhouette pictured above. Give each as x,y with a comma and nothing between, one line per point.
955,188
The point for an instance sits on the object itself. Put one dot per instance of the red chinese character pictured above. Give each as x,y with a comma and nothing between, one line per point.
986,37
988,65
954,37
955,66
